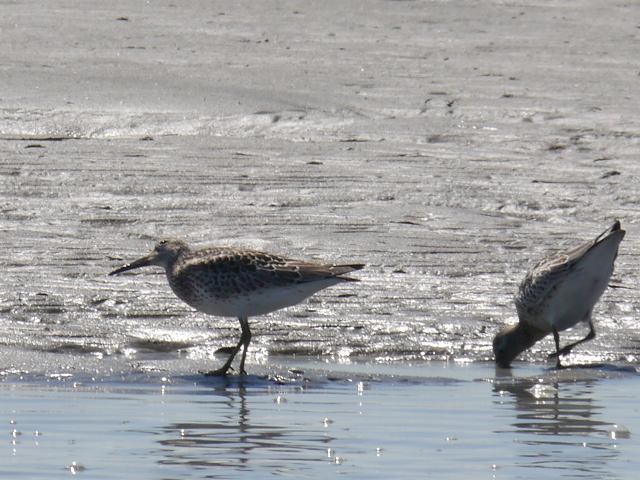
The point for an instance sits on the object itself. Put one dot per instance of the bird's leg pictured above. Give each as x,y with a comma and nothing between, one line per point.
556,339
567,348
245,339
227,365
590,336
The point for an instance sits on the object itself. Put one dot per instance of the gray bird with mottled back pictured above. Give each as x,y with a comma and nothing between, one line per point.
559,292
226,281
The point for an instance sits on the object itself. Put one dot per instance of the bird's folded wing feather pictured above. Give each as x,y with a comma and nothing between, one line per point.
299,271
550,271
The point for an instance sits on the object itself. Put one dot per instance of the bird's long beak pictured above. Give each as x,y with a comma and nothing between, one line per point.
141,262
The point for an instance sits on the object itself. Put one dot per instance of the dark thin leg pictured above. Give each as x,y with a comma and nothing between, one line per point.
590,336
556,339
227,365
245,339
567,348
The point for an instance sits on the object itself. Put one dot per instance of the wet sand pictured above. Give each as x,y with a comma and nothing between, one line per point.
447,145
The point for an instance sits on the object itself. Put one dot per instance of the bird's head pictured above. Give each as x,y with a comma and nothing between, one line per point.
511,341
164,253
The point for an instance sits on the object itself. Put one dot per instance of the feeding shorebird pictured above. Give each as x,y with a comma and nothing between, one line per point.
227,282
557,293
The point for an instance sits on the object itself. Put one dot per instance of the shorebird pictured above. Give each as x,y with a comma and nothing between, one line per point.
225,281
557,293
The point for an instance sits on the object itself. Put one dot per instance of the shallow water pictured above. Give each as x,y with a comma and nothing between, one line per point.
447,146
366,421
439,144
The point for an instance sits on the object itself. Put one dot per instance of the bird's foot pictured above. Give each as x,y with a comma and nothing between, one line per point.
556,355
563,351
220,372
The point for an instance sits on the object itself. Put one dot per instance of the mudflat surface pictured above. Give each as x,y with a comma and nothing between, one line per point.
447,145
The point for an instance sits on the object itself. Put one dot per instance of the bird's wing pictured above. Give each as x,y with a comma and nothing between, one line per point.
228,270
301,272
548,273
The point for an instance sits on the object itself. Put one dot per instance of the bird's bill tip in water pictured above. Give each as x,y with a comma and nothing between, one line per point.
500,363
502,359
141,262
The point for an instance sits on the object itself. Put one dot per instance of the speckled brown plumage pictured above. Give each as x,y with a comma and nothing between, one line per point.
224,272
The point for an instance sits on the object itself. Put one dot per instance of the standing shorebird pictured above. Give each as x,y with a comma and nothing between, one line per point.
559,292
227,282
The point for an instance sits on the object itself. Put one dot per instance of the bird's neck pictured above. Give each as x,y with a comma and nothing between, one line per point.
531,333
171,263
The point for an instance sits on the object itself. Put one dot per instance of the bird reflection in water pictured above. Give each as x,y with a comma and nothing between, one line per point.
557,423
231,438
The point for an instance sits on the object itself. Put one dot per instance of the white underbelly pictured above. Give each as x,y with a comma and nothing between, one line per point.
258,302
